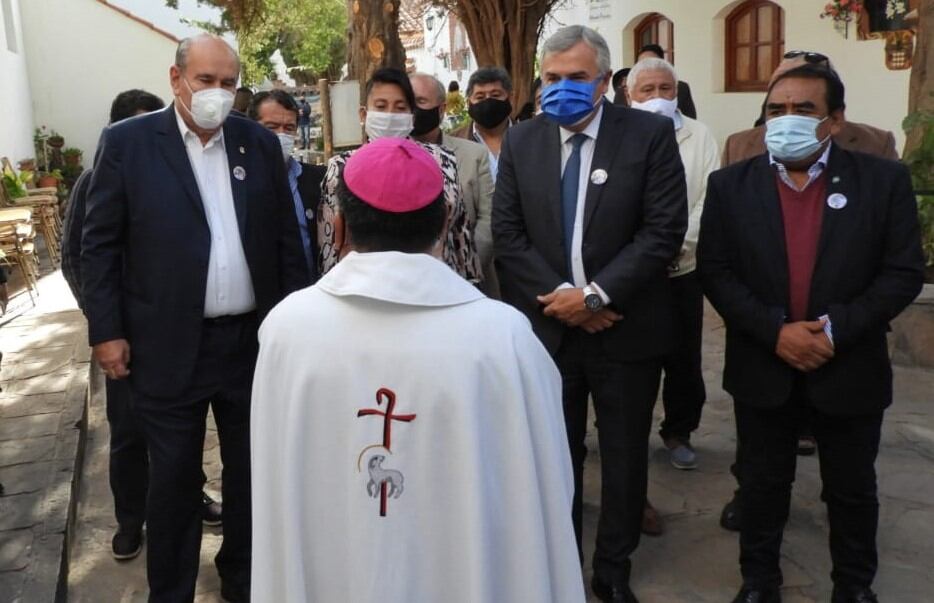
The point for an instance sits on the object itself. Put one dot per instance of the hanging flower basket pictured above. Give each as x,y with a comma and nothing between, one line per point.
842,12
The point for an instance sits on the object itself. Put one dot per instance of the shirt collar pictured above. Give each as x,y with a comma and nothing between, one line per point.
294,168
185,131
590,131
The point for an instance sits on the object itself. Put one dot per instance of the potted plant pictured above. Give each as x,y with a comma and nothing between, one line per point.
842,12
50,179
72,156
56,140
28,164
15,184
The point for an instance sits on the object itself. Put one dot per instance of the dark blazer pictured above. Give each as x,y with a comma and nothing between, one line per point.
72,225
869,267
634,225
146,241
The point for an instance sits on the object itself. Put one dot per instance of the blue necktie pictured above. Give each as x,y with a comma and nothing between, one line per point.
570,182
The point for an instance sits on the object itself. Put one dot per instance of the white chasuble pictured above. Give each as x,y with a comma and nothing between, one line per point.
408,445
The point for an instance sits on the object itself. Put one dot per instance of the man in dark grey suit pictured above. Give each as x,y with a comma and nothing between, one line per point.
589,210
190,237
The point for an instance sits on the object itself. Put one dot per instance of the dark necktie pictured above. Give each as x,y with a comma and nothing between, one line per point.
570,181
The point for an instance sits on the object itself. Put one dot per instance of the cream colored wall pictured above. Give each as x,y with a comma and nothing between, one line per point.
16,119
874,94
80,55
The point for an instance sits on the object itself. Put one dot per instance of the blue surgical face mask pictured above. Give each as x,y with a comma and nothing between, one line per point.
568,102
793,137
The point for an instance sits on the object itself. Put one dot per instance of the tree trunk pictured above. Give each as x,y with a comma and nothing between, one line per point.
373,38
505,33
921,86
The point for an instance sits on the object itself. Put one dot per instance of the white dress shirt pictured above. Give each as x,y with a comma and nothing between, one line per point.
577,241
230,288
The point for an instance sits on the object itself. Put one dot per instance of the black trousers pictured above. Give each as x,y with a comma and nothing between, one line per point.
847,448
623,396
175,430
129,459
683,392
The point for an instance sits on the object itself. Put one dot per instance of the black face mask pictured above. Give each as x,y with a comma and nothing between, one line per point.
425,120
490,113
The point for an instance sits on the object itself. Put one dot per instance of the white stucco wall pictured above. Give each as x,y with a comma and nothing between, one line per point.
80,55
874,94
437,40
16,118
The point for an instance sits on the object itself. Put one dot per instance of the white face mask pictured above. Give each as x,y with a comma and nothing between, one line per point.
287,142
210,107
388,125
661,106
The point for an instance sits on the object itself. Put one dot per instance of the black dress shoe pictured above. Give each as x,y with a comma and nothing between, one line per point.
729,517
211,511
126,544
758,595
612,593
857,595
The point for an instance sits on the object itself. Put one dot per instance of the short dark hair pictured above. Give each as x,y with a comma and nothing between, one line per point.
376,230
284,99
654,49
453,86
130,102
620,77
489,75
835,90
391,75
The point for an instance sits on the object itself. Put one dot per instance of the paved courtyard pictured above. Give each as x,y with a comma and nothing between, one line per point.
694,561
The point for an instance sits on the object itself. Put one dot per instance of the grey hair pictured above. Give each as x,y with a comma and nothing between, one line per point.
184,47
649,64
442,93
566,37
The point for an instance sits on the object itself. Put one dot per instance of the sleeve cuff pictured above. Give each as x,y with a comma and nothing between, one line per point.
606,298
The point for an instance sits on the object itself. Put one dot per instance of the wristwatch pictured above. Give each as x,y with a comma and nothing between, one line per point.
592,299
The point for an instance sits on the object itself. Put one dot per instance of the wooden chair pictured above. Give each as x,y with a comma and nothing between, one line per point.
17,246
45,214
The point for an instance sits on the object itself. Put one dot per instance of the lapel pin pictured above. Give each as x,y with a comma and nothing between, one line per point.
835,179
242,151
239,173
598,176
836,201
310,214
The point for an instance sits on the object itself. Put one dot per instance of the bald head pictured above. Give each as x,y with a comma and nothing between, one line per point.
203,44
430,87
787,65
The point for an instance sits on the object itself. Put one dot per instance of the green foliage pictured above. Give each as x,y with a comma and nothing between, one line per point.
15,184
921,163
311,34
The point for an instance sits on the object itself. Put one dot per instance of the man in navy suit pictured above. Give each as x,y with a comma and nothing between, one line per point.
190,238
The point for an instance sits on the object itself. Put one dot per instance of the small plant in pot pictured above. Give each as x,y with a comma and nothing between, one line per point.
50,179
28,164
15,184
72,156
56,140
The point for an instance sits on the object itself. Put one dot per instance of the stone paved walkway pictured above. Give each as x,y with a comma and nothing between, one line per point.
695,561
42,412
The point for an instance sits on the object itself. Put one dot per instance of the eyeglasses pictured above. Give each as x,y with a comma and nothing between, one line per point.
810,57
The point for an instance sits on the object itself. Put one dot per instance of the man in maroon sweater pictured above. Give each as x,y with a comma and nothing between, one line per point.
807,252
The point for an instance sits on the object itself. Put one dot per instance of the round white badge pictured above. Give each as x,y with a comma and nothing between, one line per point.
598,176
239,173
836,201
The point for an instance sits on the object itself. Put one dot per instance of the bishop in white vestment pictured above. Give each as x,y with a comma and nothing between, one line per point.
408,441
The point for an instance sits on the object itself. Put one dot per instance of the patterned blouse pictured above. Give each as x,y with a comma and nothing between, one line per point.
459,252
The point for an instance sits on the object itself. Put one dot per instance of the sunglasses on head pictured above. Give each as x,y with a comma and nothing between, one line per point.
810,57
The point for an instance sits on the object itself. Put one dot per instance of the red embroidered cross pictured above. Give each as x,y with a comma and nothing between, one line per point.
387,395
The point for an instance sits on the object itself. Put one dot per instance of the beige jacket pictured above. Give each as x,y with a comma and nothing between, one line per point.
700,156
473,174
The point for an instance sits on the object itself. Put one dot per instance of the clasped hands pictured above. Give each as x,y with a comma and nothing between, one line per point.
804,345
567,305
